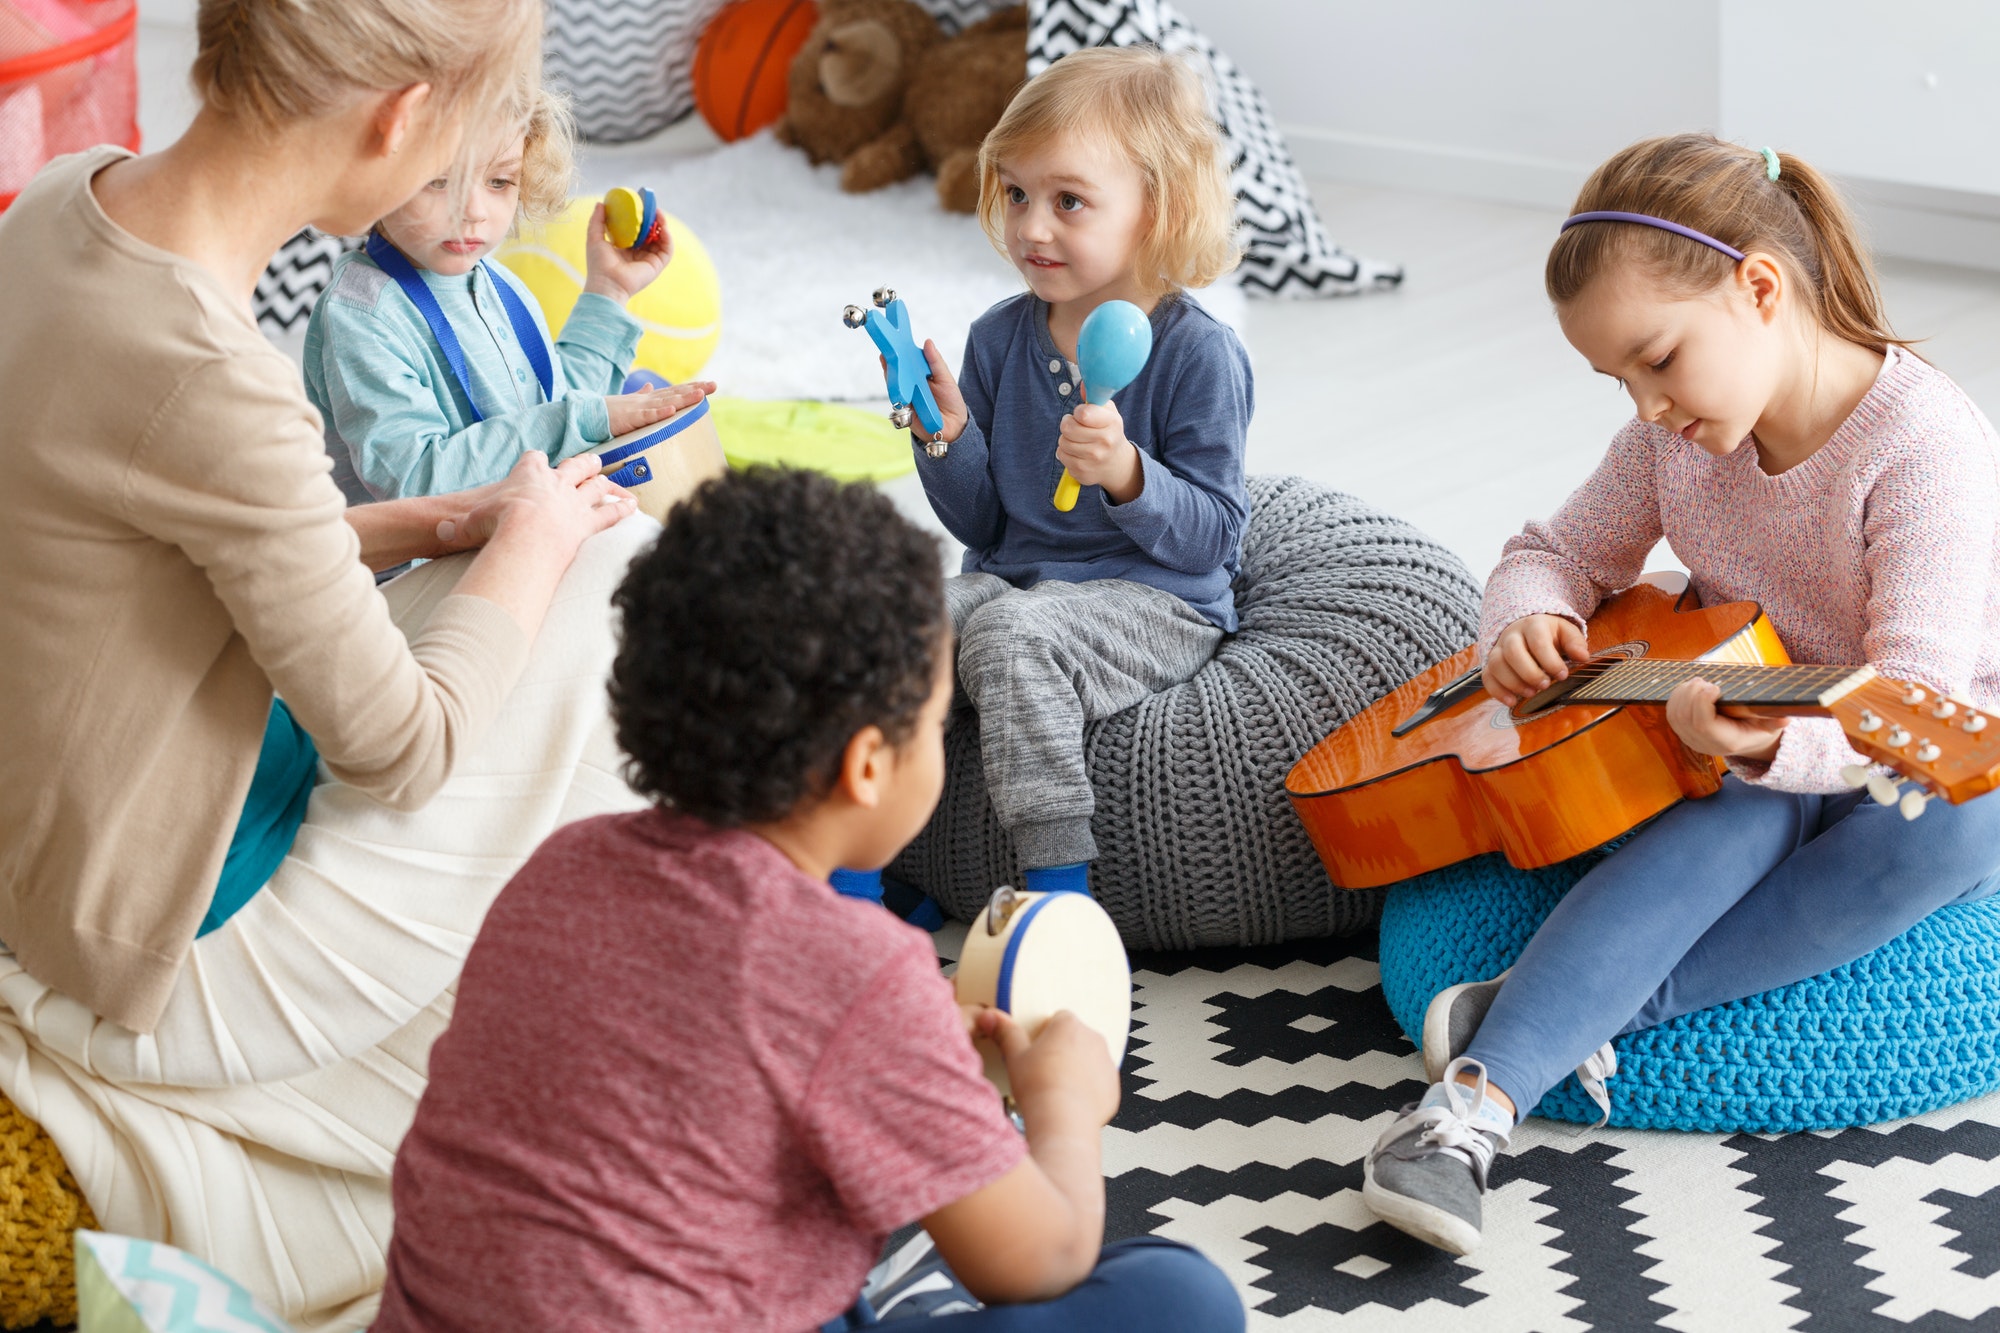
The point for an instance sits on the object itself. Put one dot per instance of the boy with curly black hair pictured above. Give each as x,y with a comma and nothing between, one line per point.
689,1086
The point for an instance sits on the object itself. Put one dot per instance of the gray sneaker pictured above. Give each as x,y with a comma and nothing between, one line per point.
1454,1015
1427,1172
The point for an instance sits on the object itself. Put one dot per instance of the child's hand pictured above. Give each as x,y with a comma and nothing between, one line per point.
944,388
1691,712
1065,1072
1532,654
1094,449
621,274
630,411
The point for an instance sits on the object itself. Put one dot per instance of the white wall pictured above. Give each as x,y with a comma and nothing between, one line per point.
1516,100
1512,100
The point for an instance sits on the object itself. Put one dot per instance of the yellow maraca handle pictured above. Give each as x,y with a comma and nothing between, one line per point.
1066,492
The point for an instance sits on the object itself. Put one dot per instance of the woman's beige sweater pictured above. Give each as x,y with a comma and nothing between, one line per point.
172,549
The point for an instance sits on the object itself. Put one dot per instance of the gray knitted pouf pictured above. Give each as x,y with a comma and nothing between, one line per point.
1197,844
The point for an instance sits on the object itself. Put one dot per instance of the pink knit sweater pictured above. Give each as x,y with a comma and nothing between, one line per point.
1883,547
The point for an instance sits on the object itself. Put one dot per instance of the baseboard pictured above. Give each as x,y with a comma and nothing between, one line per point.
1437,168
1903,221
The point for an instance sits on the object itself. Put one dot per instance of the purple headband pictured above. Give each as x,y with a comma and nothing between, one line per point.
1647,220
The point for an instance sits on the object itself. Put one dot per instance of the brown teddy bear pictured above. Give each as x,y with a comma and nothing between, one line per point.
878,89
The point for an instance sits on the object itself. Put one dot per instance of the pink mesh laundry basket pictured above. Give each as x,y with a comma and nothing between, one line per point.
67,81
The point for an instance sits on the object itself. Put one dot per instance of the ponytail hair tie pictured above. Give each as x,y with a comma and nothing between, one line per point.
1770,164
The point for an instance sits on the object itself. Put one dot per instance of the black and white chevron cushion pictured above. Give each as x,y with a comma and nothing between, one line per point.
1286,250
625,62
957,15
295,277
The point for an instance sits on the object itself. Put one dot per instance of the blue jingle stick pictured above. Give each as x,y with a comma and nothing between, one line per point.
907,372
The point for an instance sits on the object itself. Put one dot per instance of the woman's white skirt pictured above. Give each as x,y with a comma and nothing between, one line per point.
256,1126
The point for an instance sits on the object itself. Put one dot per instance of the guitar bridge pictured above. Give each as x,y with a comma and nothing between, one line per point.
1443,697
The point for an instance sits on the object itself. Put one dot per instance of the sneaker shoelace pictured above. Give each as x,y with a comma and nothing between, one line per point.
1592,1074
1452,1129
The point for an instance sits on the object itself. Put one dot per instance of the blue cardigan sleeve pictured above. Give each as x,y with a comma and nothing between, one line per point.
1191,512
383,404
960,485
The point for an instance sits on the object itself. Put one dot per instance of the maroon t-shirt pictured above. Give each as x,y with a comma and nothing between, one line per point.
686,1086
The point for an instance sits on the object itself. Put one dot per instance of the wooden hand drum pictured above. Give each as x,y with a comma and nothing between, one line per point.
661,464
1033,954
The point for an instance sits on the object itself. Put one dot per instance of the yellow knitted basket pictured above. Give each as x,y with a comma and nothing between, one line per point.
40,1211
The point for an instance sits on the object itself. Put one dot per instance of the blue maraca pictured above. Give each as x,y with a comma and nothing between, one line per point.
1111,350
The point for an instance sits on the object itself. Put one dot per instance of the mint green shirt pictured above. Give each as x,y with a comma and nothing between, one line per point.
397,421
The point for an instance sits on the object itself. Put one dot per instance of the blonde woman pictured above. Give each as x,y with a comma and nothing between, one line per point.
233,926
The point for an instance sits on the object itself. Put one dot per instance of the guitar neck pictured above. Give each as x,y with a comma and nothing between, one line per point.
1642,680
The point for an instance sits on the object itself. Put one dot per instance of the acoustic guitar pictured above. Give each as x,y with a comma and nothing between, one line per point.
1439,770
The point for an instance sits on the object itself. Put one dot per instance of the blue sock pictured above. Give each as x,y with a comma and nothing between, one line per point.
1072,878
857,884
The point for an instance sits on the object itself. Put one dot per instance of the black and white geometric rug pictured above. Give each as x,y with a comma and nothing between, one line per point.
1257,1079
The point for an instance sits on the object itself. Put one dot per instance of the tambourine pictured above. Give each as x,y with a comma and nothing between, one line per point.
1033,954
661,464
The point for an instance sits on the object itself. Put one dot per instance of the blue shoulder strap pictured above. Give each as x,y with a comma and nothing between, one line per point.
391,261
527,333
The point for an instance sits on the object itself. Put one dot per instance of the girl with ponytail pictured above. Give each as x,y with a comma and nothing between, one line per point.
1796,454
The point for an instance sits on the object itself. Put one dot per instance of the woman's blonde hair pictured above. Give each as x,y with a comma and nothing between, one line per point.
269,62
548,158
1154,108
1724,190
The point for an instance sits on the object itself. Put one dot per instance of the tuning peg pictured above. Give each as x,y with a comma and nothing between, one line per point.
884,295
1945,708
1974,723
1915,695
1855,775
1868,722
1896,739
1913,803
1927,752
854,317
1883,788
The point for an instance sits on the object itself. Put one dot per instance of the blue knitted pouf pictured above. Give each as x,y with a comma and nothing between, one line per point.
1911,1027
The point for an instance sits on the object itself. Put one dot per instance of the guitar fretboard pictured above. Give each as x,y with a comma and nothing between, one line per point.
1644,680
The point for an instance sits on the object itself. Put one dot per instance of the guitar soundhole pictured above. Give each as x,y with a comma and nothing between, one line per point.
1552,700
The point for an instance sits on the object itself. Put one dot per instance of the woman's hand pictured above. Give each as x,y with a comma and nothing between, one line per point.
617,273
1692,713
1530,655
944,388
557,507
1092,445
630,411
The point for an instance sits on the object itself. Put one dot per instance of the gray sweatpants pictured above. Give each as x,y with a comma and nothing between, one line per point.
1038,664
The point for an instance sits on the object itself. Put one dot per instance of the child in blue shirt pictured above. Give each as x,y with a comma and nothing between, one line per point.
1103,181
406,412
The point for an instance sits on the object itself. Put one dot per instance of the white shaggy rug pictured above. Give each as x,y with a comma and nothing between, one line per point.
792,250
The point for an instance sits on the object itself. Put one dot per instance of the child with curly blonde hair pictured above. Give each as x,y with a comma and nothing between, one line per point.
1104,180
432,369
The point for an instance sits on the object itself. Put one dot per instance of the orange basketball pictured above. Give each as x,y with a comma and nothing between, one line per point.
742,62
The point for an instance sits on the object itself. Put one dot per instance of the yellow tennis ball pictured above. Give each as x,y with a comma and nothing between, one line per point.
681,312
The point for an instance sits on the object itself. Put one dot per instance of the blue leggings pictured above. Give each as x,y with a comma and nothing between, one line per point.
1719,899
1145,1285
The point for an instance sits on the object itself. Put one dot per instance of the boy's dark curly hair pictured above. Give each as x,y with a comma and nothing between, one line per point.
778,614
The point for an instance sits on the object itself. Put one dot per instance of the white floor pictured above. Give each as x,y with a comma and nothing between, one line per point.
1453,402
